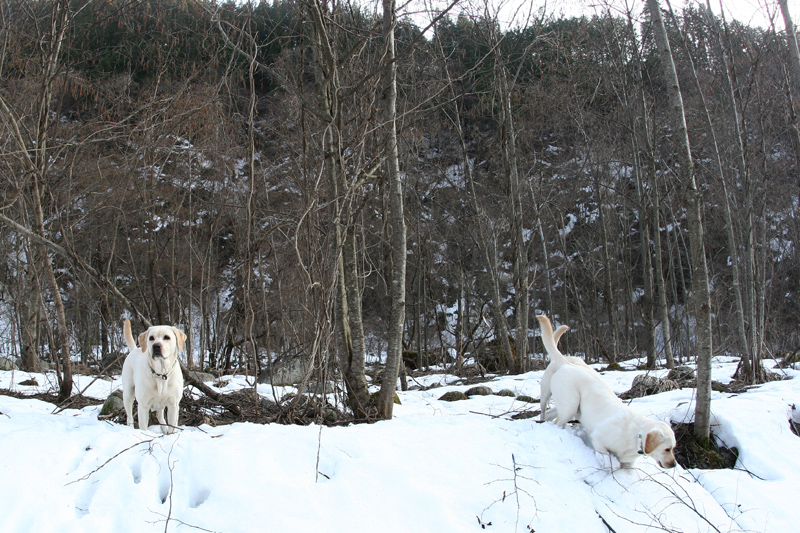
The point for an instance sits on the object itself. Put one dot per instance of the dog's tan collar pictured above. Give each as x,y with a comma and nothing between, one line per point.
164,376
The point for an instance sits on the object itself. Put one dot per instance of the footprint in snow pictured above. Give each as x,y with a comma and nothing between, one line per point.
198,497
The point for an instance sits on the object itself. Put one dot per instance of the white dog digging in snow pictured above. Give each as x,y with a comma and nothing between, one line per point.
152,375
579,391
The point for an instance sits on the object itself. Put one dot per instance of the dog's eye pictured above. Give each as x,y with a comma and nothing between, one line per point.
152,338
166,337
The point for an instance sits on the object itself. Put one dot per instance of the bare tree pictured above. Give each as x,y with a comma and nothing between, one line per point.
701,298
348,319
397,291
36,158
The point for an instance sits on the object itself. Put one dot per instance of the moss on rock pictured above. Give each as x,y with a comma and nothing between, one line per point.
480,390
453,396
112,404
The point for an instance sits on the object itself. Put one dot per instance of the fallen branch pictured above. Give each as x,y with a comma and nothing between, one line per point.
208,391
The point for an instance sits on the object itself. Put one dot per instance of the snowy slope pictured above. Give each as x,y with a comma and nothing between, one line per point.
438,466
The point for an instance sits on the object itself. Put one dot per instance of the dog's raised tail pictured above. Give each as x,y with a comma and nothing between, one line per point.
129,340
550,342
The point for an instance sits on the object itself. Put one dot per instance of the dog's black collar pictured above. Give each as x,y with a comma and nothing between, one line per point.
163,376
640,443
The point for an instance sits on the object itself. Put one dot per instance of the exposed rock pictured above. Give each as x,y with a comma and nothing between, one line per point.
284,371
645,385
266,403
415,360
526,399
681,373
506,392
322,387
29,382
8,364
112,405
453,396
790,360
480,390
205,377
492,356
539,364
112,362
718,386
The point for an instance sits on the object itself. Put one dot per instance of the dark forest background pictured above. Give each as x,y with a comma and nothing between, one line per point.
165,162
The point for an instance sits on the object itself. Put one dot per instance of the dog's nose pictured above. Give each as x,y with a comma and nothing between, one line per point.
156,350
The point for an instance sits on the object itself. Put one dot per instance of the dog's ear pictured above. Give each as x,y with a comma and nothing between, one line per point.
653,440
143,340
180,337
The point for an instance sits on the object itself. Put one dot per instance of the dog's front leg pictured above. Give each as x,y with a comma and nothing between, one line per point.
144,416
161,420
172,417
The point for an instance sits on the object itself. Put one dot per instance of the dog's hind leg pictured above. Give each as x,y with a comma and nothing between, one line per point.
568,403
544,397
127,401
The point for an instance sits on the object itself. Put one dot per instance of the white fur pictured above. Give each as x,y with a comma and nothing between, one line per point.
557,360
613,427
142,375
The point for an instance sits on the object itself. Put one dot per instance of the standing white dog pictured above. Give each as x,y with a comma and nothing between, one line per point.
612,426
152,375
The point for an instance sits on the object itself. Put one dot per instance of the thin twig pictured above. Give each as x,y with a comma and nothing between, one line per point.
319,447
182,523
170,467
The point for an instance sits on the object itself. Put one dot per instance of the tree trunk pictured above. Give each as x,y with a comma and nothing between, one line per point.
38,167
508,148
663,309
744,293
486,247
701,298
648,301
348,322
608,288
29,313
397,291
657,285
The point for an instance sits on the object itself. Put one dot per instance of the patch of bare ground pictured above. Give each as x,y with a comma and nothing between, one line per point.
691,453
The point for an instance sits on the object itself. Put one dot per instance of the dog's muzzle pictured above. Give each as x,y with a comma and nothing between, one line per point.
157,351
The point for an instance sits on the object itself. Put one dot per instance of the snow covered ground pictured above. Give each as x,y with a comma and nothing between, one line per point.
437,466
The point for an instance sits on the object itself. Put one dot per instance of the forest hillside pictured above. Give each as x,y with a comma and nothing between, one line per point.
227,168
